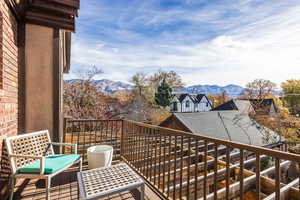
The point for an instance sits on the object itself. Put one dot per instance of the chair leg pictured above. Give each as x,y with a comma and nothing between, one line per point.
48,187
11,187
80,165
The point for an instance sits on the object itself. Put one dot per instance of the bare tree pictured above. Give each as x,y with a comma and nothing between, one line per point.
140,81
259,88
171,77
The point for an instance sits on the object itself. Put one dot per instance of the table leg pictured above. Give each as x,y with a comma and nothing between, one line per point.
142,193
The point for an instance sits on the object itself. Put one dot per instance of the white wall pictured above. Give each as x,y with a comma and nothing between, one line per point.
204,105
187,109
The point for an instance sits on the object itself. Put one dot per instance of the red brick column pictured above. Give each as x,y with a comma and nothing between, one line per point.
8,84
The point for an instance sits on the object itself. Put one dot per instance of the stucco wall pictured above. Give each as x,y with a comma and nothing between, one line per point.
38,78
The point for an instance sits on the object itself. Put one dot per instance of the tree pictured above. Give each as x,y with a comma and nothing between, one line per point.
81,99
218,99
291,90
84,101
172,78
164,96
259,88
140,81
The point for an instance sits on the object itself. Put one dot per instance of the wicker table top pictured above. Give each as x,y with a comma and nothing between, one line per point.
100,182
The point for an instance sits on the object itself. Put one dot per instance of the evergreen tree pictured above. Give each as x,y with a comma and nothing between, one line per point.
163,95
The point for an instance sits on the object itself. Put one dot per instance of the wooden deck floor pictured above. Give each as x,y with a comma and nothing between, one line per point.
65,186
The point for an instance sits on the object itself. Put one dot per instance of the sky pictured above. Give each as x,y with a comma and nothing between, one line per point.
205,41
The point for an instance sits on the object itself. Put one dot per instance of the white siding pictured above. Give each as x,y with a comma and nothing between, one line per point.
176,101
204,105
184,105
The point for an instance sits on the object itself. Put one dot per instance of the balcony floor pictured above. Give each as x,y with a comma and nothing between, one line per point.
65,186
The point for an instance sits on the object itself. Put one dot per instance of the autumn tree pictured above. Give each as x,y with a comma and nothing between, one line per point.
163,95
172,79
139,81
259,88
142,102
147,84
138,105
83,101
219,99
291,90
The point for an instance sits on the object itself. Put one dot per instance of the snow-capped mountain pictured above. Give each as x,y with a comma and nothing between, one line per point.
232,90
109,86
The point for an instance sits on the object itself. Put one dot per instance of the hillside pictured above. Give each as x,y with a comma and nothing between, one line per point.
111,87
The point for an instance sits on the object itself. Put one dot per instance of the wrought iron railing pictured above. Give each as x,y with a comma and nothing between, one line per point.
181,165
87,133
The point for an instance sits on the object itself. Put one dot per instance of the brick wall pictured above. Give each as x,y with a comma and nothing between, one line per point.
9,80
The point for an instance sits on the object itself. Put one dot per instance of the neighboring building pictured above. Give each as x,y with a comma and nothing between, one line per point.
226,125
259,106
35,40
264,106
243,106
191,103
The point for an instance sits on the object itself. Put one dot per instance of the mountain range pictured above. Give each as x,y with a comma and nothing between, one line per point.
231,90
110,87
107,86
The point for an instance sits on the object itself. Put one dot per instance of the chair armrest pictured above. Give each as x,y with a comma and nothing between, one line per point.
41,158
66,144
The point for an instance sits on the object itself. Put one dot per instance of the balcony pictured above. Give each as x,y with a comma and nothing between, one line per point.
179,165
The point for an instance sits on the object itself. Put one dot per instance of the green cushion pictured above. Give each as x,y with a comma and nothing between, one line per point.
52,164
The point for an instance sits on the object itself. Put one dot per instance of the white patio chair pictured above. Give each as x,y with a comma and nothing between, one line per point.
32,156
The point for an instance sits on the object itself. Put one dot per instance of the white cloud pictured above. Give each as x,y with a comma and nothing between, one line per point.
261,44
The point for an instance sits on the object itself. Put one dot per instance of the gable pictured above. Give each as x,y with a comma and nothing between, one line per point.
187,98
175,99
174,123
264,106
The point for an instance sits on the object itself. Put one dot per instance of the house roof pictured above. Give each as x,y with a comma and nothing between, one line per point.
228,125
196,98
247,105
263,104
182,97
240,105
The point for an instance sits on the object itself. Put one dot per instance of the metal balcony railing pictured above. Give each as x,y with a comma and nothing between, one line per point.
181,165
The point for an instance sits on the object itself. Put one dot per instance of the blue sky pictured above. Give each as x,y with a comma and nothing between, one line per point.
205,41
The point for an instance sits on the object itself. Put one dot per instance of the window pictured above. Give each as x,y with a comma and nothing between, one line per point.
207,104
187,104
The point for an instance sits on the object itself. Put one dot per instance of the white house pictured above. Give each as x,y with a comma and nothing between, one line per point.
191,103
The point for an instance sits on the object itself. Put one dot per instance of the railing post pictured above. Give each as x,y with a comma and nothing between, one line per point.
63,138
64,129
122,140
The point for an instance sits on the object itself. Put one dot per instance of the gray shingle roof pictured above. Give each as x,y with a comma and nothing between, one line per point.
248,105
241,105
228,125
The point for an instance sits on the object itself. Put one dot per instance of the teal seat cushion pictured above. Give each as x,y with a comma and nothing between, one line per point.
52,164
